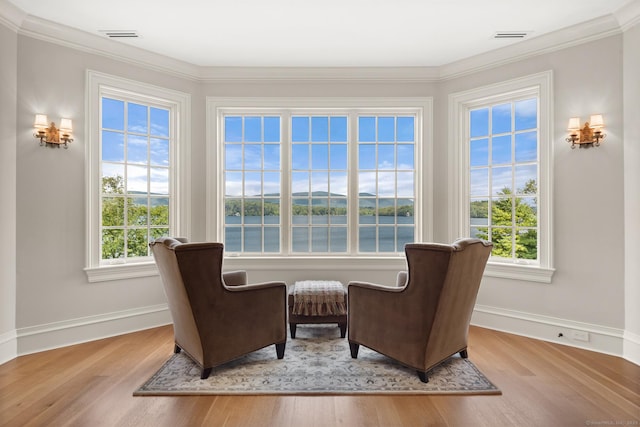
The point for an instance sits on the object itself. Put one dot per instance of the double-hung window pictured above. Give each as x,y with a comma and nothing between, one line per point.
502,138
134,186
320,179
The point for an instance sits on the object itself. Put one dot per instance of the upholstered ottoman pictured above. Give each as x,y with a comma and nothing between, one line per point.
317,301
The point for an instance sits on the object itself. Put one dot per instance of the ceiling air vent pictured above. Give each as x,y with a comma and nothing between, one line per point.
511,34
120,34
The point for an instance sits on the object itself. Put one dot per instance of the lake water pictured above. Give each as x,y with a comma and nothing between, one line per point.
321,239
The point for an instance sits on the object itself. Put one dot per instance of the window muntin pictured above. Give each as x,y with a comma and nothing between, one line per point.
503,177
135,174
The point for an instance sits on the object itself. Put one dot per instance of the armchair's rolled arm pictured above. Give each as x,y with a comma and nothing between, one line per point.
235,278
257,286
374,287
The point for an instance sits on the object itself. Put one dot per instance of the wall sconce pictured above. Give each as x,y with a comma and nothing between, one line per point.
589,135
50,135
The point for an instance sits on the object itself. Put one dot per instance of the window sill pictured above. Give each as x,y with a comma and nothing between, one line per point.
292,263
121,271
530,273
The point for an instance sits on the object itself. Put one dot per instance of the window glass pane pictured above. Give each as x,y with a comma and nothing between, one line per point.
137,243
112,146
526,114
112,114
233,129
252,184
338,129
137,211
405,235
320,182
252,211
479,182
527,244
404,211
319,156
300,156
112,211
319,239
501,149
112,243
233,184
367,210
338,154
159,151
479,152
319,129
501,118
253,156
159,181
405,129
137,149
367,156
232,239
272,156
300,183
405,184
253,129
272,239
271,211
300,239
159,122
386,184
479,123
405,156
156,233
233,157
479,212
526,212
386,157
501,180
271,129
137,179
338,239
367,239
386,239
159,211
233,211
271,183
253,239
300,129
502,242
502,211
137,118
112,178
338,183
527,147
386,129
366,129
526,179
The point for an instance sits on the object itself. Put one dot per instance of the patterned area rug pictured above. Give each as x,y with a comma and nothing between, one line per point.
316,362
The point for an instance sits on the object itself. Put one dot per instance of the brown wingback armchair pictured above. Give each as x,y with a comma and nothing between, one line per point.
425,318
217,317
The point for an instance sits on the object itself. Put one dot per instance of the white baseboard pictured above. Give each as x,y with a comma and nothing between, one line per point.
602,339
8,346
49,336
631,350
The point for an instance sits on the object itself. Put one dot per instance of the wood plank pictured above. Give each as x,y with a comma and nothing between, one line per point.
542,384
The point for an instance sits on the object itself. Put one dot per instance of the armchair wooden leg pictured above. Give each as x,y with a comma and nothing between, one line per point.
464,354
176,349
205,373
280,350
354,349
423,376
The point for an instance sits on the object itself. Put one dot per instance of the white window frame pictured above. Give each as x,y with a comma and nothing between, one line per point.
179,104
217,106
460,103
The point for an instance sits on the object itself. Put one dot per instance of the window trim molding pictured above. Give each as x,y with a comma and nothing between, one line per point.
180,181
459,102
214,166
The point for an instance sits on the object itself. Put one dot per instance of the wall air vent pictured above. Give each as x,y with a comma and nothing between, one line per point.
511,34
120,34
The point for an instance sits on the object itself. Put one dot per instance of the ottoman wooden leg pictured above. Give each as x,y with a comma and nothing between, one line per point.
343,329
292,328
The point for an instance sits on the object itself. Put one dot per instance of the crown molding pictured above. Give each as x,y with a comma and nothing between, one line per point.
628,15
371,74
608,25
585,32
11,16
59,34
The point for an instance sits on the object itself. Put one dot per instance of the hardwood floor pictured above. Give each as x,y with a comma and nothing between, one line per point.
543,384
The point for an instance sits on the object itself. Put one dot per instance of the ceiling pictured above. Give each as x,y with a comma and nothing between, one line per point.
326,33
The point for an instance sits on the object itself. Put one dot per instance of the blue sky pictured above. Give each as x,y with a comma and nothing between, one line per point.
319,154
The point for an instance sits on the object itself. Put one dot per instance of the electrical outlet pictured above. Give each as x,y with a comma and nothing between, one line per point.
580,335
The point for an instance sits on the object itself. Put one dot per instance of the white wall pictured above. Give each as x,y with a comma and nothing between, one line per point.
8,99
56,304
631,71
